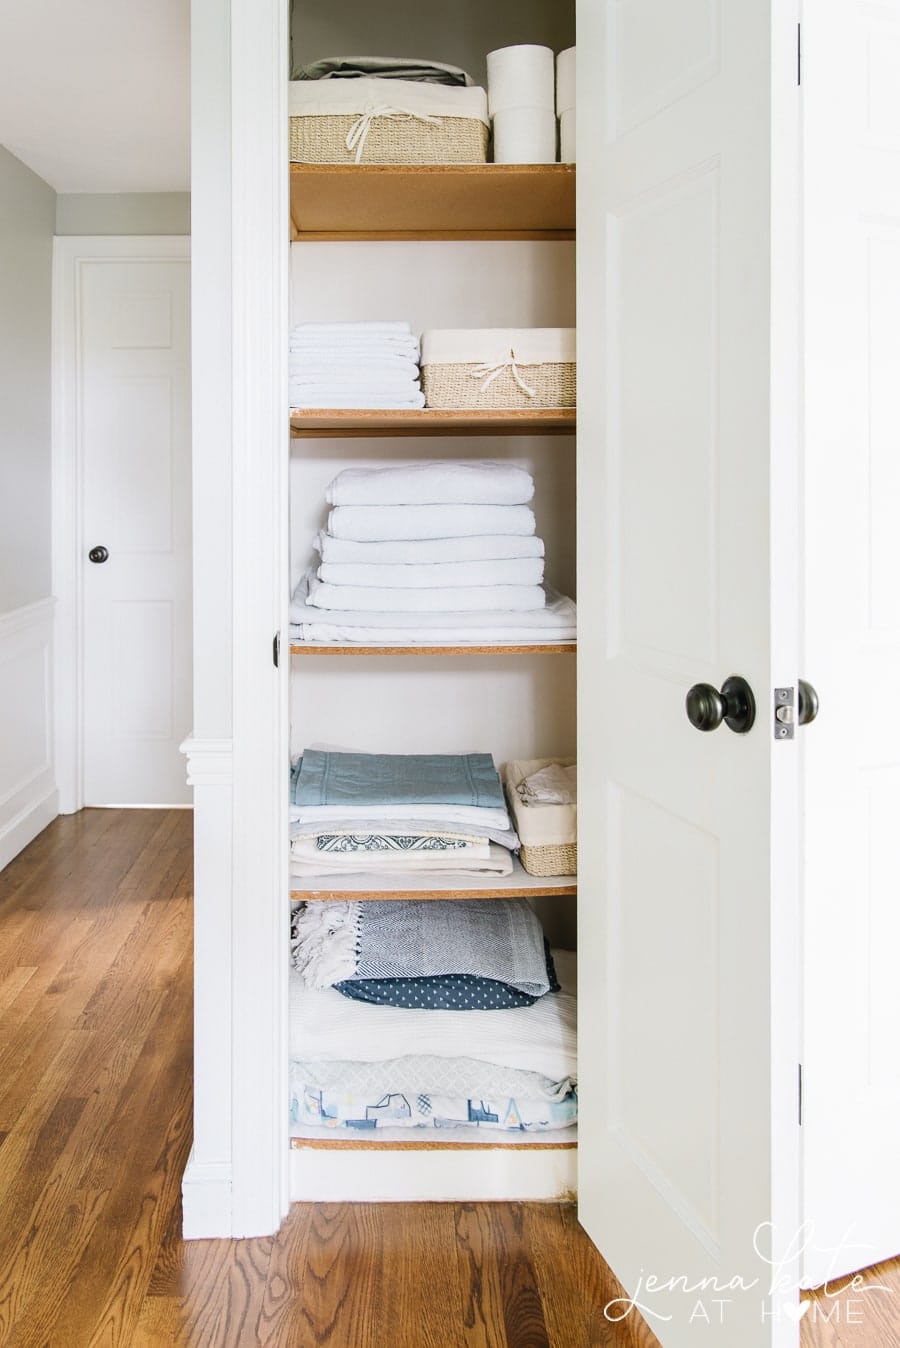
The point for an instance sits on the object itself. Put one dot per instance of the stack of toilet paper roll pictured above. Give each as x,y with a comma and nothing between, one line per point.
565,104
521,104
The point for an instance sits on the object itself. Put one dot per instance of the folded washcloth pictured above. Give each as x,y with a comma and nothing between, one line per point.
433,484
428,551
458,599
373,523
329,778
513,571
314,396
488,938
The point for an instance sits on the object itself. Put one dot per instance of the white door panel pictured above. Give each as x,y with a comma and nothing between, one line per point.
136,502
851,754
688,1004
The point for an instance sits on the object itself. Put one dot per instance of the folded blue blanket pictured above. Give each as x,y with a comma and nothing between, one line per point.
324,778
445,992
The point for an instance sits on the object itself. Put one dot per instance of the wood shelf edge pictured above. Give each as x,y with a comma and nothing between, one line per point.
363,1142
559,648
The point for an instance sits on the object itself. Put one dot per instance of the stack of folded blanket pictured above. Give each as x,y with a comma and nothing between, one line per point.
366,365
367,1049
407,815
431,553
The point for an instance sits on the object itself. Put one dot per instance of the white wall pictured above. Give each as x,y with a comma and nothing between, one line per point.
102,213
461,33
27,221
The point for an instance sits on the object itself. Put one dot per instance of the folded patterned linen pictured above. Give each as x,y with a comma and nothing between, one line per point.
339,832
361,850
366,524
498,862
451,599
340,1109
444,992
324,1026
382,781
499,939
433,484
428,551
433,1074
314,397
521,571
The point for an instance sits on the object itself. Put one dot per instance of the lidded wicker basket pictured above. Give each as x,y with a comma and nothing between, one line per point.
513,368
548,833
381,121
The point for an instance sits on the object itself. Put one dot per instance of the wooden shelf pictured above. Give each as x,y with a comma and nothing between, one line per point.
393,1139
519,885
341,423
332,202
332,648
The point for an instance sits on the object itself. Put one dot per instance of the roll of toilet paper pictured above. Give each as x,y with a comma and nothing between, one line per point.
525,136
520,77
567,136
565,81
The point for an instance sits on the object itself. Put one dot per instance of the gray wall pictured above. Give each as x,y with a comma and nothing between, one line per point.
27,222
461,33
124,213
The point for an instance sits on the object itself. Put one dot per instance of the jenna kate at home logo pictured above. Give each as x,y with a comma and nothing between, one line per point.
710,1300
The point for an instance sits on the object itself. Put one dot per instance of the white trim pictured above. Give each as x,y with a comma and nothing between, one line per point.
69,256
206,1199
259,449
30,802
445,1175
209,762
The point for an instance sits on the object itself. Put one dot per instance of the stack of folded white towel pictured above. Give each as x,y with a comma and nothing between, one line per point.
431,553
366,365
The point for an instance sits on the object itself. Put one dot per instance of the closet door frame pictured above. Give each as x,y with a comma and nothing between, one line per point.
236,1181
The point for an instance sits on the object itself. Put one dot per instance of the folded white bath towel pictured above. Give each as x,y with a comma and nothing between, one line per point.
367,328
426,551
390,366
316,397
512,571
367,381
372,523
432,484
546,626
459,599
391,349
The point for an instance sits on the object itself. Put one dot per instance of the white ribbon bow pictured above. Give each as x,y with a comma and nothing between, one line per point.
359,131
489,372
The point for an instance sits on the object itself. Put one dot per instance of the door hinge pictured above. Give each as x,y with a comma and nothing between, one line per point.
276,648
799,54
800,1094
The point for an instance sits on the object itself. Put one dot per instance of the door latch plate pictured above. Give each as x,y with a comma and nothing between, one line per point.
783,714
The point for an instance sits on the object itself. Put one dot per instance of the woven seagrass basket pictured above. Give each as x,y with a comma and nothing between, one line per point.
552,384
546,832
390,140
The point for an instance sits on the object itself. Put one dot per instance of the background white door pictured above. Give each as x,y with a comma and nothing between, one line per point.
135,428
688,1006
851,1076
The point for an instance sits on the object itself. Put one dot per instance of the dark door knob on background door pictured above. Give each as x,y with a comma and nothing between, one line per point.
707,708
98,554
807,703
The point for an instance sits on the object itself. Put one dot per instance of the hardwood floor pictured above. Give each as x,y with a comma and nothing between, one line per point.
95,1100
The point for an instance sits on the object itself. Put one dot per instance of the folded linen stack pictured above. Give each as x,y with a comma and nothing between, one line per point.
431,553
385,1060
398,814
365,365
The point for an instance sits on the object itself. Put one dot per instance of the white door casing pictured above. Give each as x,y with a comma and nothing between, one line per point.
687,498
851,755
123,461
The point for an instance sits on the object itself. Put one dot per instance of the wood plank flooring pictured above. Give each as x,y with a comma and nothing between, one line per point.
95,1100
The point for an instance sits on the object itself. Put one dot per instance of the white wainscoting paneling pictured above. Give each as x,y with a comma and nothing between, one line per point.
28,796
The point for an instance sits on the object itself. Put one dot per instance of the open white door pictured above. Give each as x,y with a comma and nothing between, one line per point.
688,448
851,1116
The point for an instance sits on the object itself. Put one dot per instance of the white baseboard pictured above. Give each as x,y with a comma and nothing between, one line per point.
18,832
445,1175
206,1200
29,800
